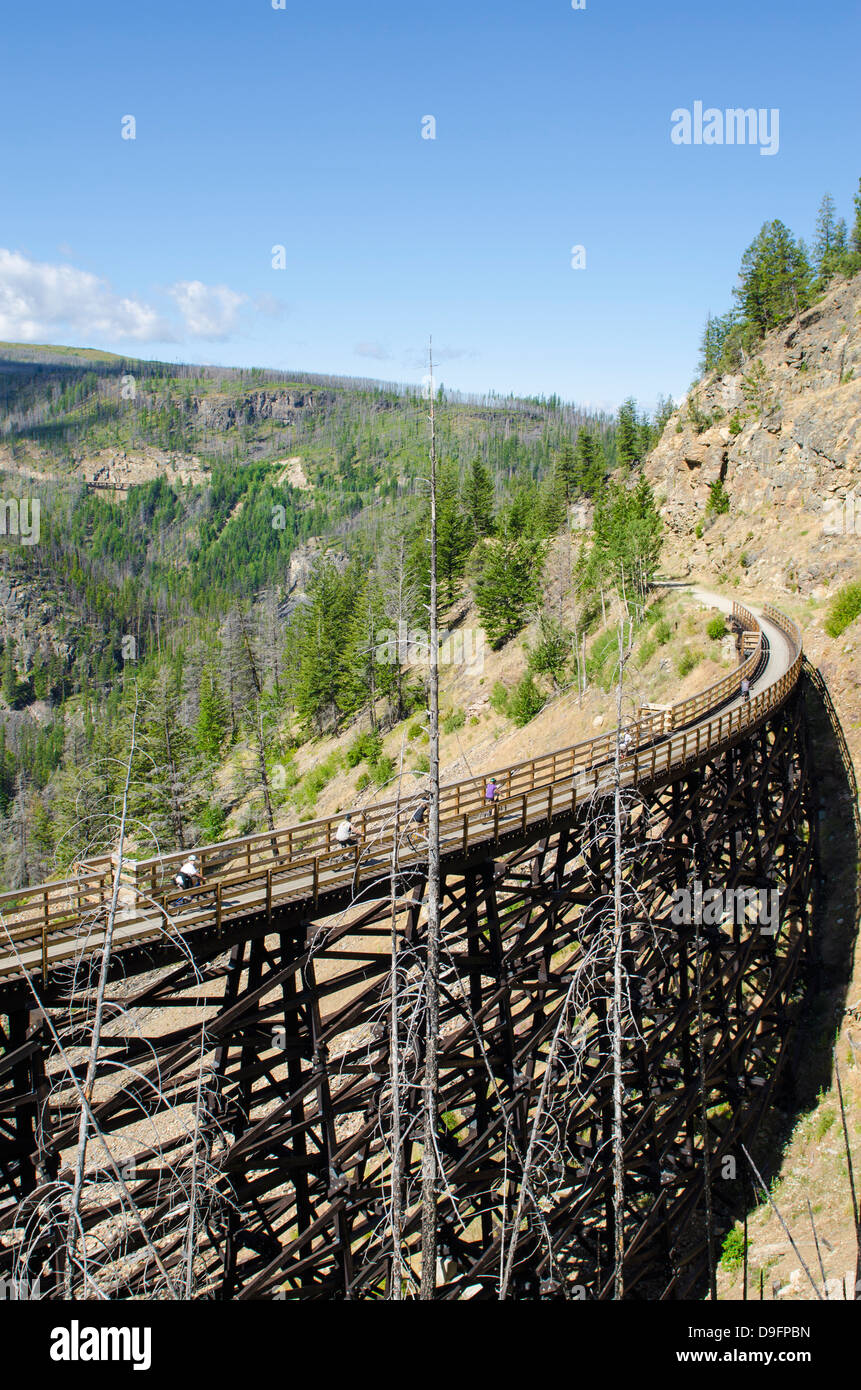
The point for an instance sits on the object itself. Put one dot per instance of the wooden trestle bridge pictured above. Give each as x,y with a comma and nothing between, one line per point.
263,1030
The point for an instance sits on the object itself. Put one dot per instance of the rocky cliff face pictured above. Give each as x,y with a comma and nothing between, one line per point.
784,435
226,412
785,438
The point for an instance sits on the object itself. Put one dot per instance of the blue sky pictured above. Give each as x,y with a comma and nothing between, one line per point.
301,127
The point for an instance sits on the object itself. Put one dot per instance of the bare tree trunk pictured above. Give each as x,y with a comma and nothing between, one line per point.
261,762
395,1065
176,808
431,1076
583,671
22,829
618,948
372,675
92,1060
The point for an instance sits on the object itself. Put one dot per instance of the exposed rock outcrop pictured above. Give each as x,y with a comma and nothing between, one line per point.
226,412
784,436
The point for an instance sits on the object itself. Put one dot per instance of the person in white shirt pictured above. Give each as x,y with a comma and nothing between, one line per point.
625,743
189,875
345,834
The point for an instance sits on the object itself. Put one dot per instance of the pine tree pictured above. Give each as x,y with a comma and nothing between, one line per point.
552,511
16,841
363,678
774,279
400,589
322,651
552,652
454,538
523,515
645,531
830,244
508,585
83,795
7,773
213,719
565,470
855,240
663,411
590,463
167,792
41,839
628,438
714,341
478,499
627,533
10,675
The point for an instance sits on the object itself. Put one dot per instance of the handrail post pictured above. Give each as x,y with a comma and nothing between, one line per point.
523,822
218,907
316,879
269,894
465,831
550,803
45,935
495,819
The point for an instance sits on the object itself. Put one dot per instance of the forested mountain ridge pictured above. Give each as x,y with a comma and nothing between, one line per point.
222,546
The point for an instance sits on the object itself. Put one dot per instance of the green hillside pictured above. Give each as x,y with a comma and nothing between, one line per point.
280,521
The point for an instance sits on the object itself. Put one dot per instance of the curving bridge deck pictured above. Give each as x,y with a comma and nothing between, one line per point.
303,867
263,1040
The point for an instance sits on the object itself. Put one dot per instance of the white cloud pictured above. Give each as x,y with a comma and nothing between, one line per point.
37,300
46,302
208,311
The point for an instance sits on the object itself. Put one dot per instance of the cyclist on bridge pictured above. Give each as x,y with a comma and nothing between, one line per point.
189,876
346,834
418,818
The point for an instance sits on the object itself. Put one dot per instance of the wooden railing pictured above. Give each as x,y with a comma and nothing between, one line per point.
318,836
52,909
257,872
